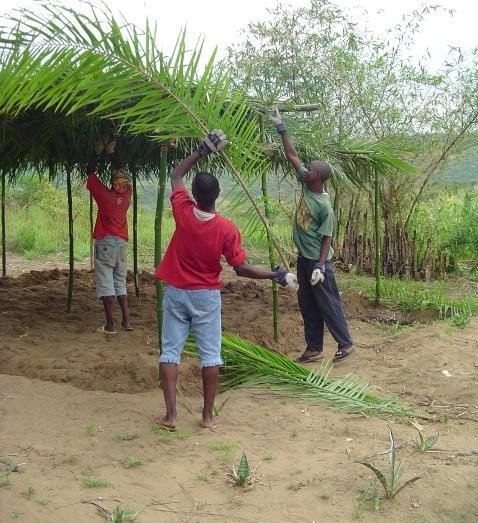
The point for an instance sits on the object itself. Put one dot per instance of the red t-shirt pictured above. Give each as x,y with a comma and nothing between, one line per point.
193,257
112,209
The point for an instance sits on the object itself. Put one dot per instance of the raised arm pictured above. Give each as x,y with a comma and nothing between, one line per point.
213,142
289,149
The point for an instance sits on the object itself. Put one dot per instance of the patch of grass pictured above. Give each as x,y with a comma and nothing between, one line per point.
225,446
131,462
126,436
203,477
91,429
95,483
168,436
123,513
29,493
5,480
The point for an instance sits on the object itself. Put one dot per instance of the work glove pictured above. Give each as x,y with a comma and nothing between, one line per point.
318,274
213,142
285,279
276,119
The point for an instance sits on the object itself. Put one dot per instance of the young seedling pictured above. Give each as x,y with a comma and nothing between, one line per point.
95,483
91,429
130,462
126,436
217,409
243,477
426,442
29,493
390,484
225,447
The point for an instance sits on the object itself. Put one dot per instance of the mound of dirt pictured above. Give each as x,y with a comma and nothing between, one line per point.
40,340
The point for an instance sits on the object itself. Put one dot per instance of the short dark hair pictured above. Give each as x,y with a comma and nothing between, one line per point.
322,168
205,188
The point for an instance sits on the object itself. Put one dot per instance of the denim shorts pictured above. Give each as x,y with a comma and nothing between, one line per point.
191,310
110,266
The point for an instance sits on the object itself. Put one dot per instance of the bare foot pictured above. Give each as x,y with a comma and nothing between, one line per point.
167,423
209,422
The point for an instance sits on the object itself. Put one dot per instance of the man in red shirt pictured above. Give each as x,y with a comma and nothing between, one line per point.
191,268
111,236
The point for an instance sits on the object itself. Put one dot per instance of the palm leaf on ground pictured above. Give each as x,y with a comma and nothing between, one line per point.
250,365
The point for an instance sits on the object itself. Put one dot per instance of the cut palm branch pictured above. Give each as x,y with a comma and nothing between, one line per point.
250,365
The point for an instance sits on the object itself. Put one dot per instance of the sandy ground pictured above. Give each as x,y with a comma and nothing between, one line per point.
77,406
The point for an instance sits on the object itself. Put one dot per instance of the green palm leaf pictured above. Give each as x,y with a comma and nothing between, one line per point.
250,365
71,62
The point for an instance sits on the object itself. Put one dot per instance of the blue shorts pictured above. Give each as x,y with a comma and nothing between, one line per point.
198,311
110,266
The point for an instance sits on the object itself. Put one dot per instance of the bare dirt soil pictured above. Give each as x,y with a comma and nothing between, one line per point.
76,407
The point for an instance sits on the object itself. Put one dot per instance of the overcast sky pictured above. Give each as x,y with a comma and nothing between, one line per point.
220,21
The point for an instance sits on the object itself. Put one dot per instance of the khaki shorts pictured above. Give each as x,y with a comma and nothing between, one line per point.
111,266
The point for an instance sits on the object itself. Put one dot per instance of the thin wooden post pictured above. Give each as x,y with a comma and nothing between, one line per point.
91,234
270,246
4,241
71,244
377,240
158,252
135,234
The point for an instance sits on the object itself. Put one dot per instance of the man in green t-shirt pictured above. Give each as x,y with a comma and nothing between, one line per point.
313,226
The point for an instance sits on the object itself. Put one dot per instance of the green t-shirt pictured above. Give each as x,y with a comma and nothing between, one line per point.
314,218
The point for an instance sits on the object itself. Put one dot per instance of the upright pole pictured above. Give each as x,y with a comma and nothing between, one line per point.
270,246
71,240
158,253
135,235
91,232
4,249
377,240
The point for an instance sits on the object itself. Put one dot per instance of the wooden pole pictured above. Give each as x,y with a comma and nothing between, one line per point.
158,253
135,235
91,234
270,246
71,244
4,249
377,240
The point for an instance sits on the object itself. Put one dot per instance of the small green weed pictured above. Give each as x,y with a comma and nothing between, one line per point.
126,436
130,462
425,443
123,513
225,446
91,429
5,479
168,436
29,493
268,457
370,500
217,409
242,476
390,484
16,514
96,483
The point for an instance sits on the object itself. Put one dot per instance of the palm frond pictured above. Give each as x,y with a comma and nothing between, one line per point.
250,365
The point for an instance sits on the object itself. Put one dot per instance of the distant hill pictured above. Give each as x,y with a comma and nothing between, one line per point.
461,171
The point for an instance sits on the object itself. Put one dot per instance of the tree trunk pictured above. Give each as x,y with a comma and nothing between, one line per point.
135,235
158,253
71,242
4,249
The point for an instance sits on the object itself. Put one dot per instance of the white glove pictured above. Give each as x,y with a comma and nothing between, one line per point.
285,279
213,142
318,274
